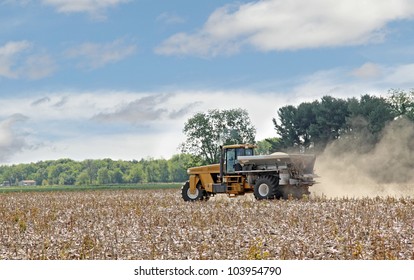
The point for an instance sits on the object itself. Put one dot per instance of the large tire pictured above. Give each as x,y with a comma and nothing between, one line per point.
187,196
266,187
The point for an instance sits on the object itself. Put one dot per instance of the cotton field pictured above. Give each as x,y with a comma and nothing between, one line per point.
157,224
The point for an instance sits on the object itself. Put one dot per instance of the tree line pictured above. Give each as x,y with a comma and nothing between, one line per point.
312,125
99,171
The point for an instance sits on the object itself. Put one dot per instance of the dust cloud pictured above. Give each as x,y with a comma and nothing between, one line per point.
351,167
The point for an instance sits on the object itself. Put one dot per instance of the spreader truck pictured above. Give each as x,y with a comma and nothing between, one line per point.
240,171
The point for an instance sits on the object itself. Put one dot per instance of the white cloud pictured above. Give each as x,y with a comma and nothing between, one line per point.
8,57
368,71
386,76
401,75
134,125
10,141
270,25
170,18
147,109
15,2
94,55
95,8
19,60
103,124
369,78
38,66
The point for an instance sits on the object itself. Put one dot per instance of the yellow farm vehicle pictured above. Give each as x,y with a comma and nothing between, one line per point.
240,171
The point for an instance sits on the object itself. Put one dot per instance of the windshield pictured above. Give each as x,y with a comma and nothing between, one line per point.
231,158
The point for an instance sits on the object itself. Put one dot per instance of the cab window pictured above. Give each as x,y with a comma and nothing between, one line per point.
248,152
232,155
244,152
230,160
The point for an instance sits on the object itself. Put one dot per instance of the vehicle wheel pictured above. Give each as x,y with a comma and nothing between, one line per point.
278,192
265,187
187,196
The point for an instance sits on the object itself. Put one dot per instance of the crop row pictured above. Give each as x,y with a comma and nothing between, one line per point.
157,224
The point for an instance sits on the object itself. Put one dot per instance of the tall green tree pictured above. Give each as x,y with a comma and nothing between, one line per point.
367,118
103,176
402,103
91,169
314,125
83,178
153,170
205,132
136,174
306,116
311,125
287,127
116,175
267,146
178,165
330,121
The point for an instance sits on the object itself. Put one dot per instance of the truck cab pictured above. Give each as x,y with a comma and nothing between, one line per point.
230,156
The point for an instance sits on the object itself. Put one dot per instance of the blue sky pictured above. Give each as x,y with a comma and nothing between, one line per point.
118,78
